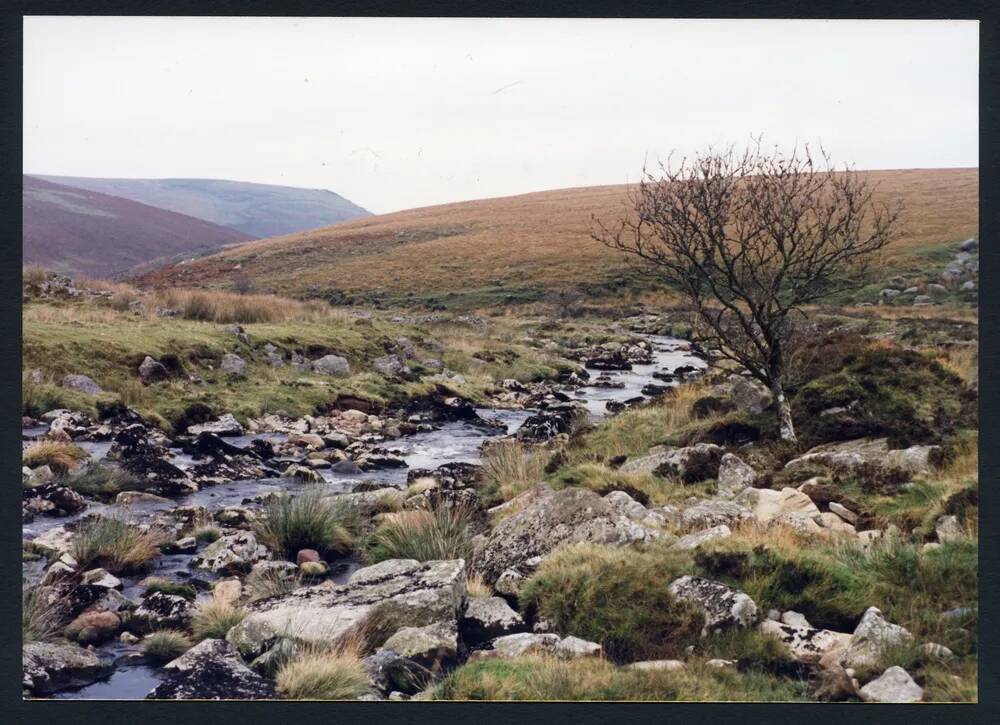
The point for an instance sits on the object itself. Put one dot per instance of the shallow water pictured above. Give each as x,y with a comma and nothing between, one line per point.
452,442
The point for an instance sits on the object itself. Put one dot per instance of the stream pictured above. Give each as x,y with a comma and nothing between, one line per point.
133,677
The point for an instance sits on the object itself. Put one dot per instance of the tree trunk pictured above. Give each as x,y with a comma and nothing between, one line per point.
784,413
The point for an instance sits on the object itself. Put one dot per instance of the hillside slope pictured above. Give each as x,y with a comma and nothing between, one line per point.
73,231
259,210
518,247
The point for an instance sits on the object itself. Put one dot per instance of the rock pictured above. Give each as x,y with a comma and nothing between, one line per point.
486,618
523,643
49,666
390,366
937,289
40,476
401,592
627,506
160,611
834,684
970,245
82,384
852,454
433,646
232,554
225,425
723,606
305,555
211,670
93,627
332,365
768,505
391,672
888,293
313,569
101,578
571,647
871,637
51,498
894,685
138,498
228,590
948,528
304,473
552,518
734,475
152,371
806,643
699,538
968,286
712,513
233,365
843,512
690,464
794,619
657,665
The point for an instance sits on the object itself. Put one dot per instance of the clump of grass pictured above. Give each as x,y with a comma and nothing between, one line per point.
476,588
206,533
230,307
424,534
114,543
33,275
155,584
60,456
319,675
100,480
267,583
214,618
548,678
165,645
617,597
40,620
510,467
751,649
309,520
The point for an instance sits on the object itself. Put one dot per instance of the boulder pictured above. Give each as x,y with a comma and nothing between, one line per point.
552,518
524,643
805,643
734,475
699,538
433,646
101,578
870,639
211,670
391,672
51,498
852,454
843,512
948,528
657,665
231,554
486,618
160,611
225,425
400,592
723,606
894,685
332,365
569,648
390,366
49,666
690,464
233,365
712,513
82,384
152,371
768,505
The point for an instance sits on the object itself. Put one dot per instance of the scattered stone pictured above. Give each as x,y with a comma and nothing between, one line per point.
487,618
82,384
894,685
657,665
93,627
232,554
152,371
937,651
871,637
948,528
332,365
101,578
806,643
843,512
391,672
693,541
234,365
708,513
723,606
432,646
160,611
571,647
734,475
225,425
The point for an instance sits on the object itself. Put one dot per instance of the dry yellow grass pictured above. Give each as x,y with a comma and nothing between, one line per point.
540,238
59,456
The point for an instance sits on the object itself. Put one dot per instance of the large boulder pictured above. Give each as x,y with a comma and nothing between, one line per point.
152,371
211,670
487,618
734,475
82,384
399,592
723,606
225,425
871,638
849,455
552,518
894,685
332,365
690,464
50,666
768,505
804,643
232,554
433,646
160,611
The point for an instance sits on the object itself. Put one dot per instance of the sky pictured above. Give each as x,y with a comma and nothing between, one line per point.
401,113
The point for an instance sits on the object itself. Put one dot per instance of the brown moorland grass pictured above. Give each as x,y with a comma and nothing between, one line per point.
537,239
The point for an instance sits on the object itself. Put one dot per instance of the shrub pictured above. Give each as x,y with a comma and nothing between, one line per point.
423,534
214,618
309,520
112,542
165,645
40,620
159,584
59,456
617,597
323,676
103,481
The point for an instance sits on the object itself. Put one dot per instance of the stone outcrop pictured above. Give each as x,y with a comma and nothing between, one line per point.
211,670
723,606
49,666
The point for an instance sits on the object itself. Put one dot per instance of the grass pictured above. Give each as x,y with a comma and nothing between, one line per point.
423,534
544,678
323,676
154,584
311,519
100,480
214,618
511,468
266,583
61,457
114,543
206,533
165,645
476,588
40,619
619,598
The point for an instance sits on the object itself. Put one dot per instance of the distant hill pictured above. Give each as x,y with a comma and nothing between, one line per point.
519,247
75,231
260,210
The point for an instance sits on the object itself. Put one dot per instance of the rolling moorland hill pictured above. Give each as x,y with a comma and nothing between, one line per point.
75,231
516,248
259,210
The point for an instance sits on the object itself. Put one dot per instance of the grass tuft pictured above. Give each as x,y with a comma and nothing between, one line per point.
165,645
214,618
323,676
114,543
423,534
311,519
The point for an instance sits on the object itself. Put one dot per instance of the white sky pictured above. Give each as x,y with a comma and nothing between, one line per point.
400,113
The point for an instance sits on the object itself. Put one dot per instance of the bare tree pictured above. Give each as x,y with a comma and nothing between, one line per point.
749,238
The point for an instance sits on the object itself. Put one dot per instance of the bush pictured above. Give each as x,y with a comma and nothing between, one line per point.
159,584
423,534
165,645
544,678
323,676
59,456
214,618
617,597
115,544
40,620
311,519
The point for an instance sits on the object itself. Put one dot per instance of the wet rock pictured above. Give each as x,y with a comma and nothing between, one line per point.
554,420
160,611
332,365
152,371
225,425
211,670
871,637
303,473
723,606
82,384
894,685
48,667
486,618
232,554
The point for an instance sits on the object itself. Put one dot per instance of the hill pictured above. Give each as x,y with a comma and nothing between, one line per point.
516,248
259,210
73,231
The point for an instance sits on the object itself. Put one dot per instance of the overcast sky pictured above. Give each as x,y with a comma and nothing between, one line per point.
395,113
